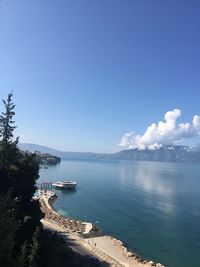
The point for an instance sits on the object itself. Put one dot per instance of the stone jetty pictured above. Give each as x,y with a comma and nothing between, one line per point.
47,199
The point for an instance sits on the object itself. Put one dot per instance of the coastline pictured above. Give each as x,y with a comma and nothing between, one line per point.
70,225
105,247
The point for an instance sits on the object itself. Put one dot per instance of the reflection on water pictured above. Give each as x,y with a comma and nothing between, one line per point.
153,207
146,177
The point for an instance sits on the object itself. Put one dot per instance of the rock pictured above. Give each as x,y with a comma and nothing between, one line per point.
151,263
119,242
130,254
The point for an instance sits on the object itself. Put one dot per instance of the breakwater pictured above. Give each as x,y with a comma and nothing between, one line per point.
47,198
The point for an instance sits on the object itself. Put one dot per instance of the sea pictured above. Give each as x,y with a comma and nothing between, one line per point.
153,207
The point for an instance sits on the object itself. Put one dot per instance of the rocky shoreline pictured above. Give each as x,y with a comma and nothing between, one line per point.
72,226
131,254
78,227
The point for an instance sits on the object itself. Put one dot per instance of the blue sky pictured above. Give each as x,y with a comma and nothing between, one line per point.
86,72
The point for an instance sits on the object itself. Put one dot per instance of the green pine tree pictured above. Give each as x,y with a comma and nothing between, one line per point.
8,146
18,174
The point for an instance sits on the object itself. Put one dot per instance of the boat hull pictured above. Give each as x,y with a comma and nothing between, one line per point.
65,185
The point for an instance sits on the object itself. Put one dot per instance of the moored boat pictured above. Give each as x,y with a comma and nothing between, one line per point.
65,185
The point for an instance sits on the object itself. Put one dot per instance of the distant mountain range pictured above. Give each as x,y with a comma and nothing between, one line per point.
165,153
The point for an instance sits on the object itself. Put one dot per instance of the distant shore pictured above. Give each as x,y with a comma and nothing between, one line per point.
87,234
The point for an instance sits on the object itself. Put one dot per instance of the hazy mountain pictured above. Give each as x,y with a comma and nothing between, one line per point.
165,153
62,154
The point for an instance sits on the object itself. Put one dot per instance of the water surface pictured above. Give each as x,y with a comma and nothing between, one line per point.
153,207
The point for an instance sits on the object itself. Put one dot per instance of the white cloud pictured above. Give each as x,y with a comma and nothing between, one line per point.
166,132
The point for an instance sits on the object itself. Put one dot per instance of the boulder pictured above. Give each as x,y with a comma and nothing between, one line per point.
151,263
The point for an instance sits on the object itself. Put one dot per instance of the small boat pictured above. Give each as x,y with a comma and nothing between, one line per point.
65,185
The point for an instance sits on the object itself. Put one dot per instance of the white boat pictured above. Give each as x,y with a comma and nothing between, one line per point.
65,185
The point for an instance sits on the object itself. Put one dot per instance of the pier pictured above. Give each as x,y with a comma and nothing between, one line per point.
45,185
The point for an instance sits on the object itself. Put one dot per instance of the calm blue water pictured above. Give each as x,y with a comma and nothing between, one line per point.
153,207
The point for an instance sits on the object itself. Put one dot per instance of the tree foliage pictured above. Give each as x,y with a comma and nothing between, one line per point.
7,127
23,242
25,253
18,174
8,230
6,119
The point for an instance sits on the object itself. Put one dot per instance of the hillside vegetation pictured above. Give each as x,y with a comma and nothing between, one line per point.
23,241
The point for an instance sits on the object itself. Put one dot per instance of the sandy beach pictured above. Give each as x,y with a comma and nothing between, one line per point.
108,249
